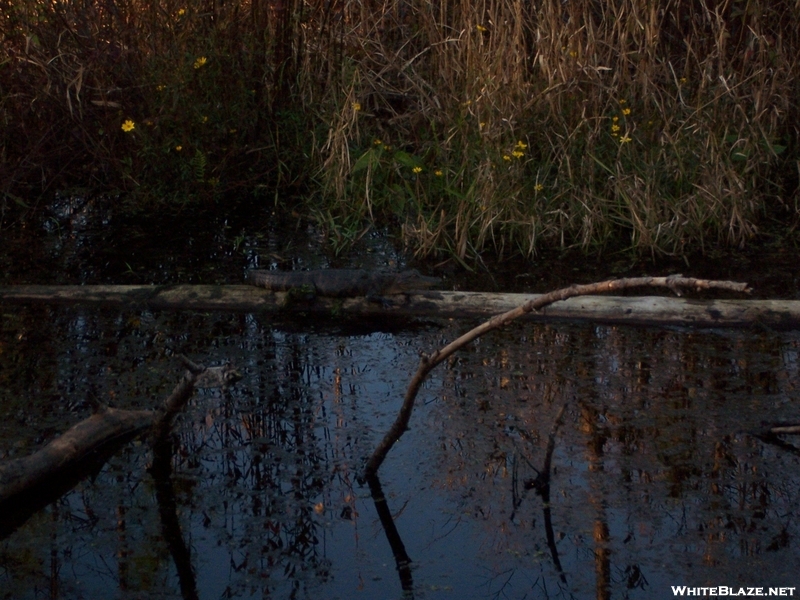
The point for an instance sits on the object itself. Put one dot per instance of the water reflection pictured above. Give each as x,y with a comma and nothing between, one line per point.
654,478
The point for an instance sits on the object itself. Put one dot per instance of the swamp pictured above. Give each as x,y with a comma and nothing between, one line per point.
660,472
499,146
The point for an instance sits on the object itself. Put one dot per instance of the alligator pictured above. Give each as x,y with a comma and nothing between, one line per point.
342,283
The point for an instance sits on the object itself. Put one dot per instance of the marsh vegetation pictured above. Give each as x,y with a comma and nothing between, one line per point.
461,126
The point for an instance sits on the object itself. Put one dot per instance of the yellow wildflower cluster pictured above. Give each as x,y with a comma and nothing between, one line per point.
615,126
200,62
517,152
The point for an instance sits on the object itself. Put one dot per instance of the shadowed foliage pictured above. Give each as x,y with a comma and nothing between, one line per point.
499,124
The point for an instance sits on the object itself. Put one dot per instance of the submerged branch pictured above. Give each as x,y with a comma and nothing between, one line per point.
428,362
33,481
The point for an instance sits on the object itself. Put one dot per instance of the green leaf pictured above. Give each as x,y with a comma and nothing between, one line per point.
198,163
778,148
368,159
406,159
599,162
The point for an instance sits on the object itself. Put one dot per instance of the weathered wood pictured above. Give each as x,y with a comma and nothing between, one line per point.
246,298
72,446
31,482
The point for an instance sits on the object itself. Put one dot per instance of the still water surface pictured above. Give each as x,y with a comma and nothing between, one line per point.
656,477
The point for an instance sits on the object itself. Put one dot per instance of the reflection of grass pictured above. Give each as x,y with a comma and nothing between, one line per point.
463,126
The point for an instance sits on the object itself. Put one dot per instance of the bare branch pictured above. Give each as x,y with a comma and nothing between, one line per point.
429,362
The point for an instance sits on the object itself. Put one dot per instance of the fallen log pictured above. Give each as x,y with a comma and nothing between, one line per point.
31,482
246,298
104,427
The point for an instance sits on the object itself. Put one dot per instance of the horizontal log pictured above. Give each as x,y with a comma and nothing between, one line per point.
246,298
17,475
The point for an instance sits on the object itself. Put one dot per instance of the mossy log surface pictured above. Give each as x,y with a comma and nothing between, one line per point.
247,298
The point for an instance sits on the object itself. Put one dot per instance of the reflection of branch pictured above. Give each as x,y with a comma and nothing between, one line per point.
542,486
428,363
395,541
542,482
161,472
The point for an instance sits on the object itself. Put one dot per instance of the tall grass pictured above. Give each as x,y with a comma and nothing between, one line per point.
465,125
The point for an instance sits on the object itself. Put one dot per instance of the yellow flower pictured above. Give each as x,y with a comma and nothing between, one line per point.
160,88
626,111
615,118
538,187
624,139
356,106
128,126
623,101
521,145
387,148
438,172
377,143
200,62
181,12
480,27
417,169
204,119
178,148
615,128
682,80
506,157
517,154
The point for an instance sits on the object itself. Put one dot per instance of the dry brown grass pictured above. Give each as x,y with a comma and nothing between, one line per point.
471,125
711,93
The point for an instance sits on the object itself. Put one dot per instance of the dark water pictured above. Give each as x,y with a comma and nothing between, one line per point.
657,478
84,241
